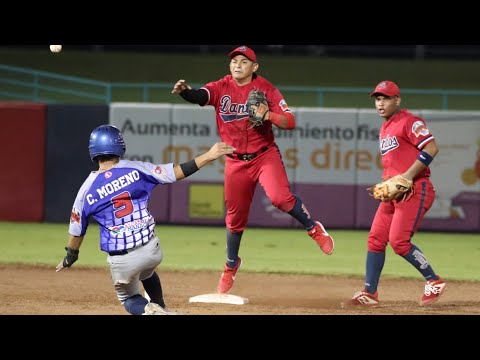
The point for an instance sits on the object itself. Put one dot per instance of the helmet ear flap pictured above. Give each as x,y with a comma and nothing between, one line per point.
106,140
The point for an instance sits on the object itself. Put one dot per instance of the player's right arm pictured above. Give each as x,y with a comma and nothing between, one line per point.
194,96
186,169
424,159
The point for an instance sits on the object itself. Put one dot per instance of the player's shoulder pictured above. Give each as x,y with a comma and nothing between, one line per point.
408,116
125,163
87,184
263,82
134,164
222,81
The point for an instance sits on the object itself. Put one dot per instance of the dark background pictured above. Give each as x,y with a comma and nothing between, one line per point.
463,51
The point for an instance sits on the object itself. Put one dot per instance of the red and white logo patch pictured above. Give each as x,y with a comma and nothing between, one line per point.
283,104
160,171
108,174
75,217
382,85
419,128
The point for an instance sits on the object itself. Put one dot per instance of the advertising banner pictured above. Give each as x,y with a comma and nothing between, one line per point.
331,158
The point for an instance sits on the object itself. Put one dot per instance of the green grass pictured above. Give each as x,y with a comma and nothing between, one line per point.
453,255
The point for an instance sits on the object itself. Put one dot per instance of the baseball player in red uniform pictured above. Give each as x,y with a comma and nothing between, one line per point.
257,158
407,148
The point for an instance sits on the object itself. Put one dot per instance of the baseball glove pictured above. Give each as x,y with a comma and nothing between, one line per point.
257,106
395,188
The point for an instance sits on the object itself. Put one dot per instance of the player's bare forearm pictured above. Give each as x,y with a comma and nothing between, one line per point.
415,169
418,166
217,150
74,242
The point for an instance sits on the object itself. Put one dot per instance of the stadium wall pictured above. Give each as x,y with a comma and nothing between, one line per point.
22,178
331,158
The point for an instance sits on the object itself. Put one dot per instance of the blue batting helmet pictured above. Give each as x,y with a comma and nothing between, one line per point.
106,140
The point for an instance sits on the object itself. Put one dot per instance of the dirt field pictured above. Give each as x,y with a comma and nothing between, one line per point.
78,291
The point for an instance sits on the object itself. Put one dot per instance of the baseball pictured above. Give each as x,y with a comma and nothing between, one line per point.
55,48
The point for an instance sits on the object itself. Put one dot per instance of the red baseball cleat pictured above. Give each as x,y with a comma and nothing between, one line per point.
322,238
433,290
365,298
228,277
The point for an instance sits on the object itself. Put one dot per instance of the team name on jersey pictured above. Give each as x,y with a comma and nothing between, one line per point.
115,185
229,111
388,144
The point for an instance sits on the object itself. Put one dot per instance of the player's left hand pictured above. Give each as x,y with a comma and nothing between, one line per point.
257,106
69,259
398,188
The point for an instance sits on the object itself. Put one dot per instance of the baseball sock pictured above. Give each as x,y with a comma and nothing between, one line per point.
233,247
375,262
153,287
418,260
135,305
300,213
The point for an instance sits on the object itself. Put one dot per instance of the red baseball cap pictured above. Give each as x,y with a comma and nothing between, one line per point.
387,88
245,51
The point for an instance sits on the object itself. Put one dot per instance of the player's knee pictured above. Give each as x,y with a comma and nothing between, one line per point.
236,225
237,228
401,248
135,304
376,243
282,204
376,247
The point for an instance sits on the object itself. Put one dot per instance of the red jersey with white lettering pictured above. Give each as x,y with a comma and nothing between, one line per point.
402,138
230,102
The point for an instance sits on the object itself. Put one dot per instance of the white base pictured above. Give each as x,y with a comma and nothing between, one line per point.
219,299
